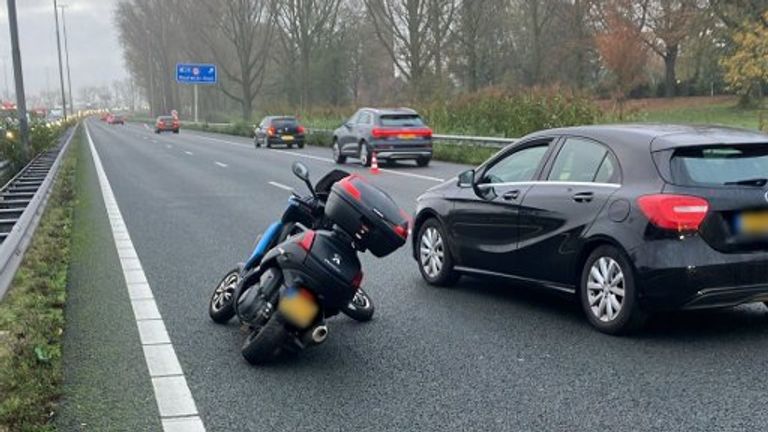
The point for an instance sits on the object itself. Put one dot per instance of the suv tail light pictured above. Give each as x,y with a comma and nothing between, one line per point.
271,131
675,212
300,129
386,132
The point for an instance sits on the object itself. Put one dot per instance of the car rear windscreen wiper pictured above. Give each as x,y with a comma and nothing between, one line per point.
760,182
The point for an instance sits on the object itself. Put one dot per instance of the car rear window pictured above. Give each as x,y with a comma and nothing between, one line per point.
284,122
719,165
165,118
401,120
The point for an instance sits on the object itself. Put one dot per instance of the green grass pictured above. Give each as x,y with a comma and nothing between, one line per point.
716,114
32,319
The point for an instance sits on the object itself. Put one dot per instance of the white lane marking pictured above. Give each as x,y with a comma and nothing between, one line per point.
154,141
174,399
189,153
223,165
281,186
146,138
146,126
304,155
168,146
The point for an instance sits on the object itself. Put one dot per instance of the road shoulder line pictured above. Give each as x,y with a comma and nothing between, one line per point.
172,394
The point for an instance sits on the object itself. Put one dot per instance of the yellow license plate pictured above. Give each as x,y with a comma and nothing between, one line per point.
287,137
407,136
298,306
753,223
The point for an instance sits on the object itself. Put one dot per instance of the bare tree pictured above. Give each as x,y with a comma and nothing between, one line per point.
411,34
237,35
667,24
304,24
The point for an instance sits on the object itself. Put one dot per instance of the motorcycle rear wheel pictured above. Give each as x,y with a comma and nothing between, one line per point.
267,343
221,306
360,308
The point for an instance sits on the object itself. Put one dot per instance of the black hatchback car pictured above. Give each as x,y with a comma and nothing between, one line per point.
393,134
630,218
279,130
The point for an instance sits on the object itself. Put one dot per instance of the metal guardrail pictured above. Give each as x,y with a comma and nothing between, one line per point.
22,202
495,142
455,139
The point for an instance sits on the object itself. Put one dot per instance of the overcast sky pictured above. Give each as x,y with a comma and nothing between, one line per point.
95,53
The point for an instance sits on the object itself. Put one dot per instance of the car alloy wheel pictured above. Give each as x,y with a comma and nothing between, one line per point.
431,252
605,289
364,154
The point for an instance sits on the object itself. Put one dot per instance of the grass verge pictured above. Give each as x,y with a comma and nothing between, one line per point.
32,318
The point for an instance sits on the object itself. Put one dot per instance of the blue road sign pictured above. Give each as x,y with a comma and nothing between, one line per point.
190,73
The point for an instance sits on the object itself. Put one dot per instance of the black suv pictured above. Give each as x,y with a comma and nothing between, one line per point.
393,134
630,218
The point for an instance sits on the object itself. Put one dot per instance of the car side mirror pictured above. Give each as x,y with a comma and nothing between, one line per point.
466,179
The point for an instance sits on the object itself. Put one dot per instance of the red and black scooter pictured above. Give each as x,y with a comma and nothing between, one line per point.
313,274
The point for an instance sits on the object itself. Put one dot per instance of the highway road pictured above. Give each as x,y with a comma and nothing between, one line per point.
484,355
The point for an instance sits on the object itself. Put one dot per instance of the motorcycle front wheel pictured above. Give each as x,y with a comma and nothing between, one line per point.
360,308
266,343
221,306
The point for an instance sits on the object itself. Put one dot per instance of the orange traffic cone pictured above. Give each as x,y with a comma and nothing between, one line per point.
374,164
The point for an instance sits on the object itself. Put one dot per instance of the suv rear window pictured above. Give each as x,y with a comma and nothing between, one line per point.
284,122
401,120
720,165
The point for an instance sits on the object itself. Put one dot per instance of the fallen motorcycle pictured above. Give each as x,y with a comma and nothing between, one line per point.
285,292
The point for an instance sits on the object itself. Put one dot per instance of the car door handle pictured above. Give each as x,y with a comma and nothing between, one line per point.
511,195
583,196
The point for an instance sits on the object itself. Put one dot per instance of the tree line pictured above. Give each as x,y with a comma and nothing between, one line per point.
305,53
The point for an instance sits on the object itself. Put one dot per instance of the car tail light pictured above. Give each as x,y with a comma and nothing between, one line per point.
357,280
675,212
301,129
307,240
271,131
387,132
401,231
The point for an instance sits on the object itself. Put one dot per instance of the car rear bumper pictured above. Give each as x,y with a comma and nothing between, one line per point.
686,273
298,140
391,154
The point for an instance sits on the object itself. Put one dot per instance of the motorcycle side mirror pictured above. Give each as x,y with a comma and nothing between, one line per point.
300,170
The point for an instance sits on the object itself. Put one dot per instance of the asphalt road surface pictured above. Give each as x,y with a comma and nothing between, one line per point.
484,355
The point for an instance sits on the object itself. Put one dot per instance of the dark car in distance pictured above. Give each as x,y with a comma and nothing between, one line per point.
632,219
167,124
279,130
115,119
394,134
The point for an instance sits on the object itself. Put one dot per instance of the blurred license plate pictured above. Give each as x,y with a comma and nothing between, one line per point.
287,137
298,306
753,223
407,136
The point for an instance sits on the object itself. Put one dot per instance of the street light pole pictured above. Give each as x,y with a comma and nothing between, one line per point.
21,102
61,67
66,52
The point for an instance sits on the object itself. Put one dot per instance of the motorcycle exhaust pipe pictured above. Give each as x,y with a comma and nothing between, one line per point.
319,334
